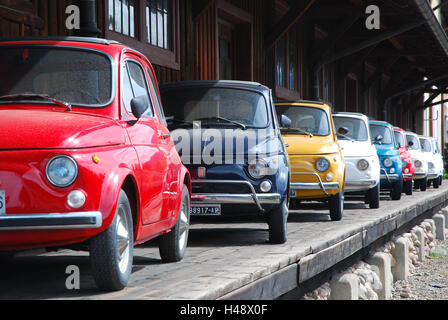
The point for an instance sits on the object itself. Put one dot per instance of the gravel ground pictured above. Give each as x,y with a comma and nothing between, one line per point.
429,281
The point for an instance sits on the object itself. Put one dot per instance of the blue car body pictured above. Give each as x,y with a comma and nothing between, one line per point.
390,161
228,186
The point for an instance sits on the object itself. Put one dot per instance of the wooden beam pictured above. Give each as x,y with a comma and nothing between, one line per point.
379,72
295,13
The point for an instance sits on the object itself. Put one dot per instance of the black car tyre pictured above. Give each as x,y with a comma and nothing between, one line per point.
435,183
111,252
172,246
277,222
373,197
397,190
336,204
408,187
423,184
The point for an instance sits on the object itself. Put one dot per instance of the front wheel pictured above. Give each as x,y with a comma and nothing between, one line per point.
397,190
435,183
423,184
408,187
336,204
172,246
277,222
111,252
373,196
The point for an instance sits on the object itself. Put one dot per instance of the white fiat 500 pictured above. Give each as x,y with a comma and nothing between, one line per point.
435,170
361,158
421,166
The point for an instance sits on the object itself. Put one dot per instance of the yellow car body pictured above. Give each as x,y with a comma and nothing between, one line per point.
304,151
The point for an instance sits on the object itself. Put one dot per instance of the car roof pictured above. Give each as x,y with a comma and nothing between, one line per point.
382,123
68,39
302,103
351,115
216,83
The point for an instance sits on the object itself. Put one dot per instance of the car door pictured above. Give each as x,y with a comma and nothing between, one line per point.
144,136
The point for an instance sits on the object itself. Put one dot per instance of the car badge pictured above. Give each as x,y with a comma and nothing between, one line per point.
201,172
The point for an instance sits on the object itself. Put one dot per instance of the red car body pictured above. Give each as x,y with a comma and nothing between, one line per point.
113,150
409,169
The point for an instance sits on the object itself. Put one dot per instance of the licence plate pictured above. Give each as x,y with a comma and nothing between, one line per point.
2,203
206,210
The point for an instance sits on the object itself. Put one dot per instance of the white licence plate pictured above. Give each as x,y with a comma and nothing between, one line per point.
2,203
206,210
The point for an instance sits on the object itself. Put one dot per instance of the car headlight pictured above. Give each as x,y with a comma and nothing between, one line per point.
388,162
62,171
363,165
257,168
322,164
418,163
430,165
404,163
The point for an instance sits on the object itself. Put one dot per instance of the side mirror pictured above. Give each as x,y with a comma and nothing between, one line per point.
343,131
285,122
139,105
378,138
410,143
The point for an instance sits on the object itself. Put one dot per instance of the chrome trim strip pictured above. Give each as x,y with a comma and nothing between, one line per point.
361,183
313,186
51,221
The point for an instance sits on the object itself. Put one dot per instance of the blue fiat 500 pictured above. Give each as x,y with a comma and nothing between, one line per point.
391,164
228,136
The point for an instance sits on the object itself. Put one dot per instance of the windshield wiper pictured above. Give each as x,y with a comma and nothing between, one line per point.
31,96
242,126
346,137
298,130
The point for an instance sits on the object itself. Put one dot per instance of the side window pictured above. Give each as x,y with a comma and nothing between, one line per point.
134,85
155,94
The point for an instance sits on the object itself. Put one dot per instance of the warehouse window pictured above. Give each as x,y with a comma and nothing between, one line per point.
122,16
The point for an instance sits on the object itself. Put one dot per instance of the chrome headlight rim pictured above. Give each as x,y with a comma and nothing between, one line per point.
418,163
322,164
388,162
48,168
262,170
363,165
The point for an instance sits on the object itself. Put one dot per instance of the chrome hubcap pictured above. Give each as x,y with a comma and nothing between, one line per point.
183,226
123,240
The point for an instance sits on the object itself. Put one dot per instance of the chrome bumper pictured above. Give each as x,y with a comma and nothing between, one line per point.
51,221
324,186
388,176
227,198
361,183
407,175
432,176
420,175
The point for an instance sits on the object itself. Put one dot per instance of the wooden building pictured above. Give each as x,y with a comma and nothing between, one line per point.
302,49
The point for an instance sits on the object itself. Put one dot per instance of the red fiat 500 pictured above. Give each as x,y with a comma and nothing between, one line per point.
85,155
408,164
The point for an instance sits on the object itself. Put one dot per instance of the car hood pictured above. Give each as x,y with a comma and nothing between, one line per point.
45,129
306,145
357,148
384,150
225,143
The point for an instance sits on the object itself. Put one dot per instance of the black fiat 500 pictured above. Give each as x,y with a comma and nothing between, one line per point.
227,135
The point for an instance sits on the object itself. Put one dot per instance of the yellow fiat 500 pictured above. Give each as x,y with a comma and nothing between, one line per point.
317,164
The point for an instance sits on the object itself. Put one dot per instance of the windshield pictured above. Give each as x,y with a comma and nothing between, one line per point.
306,120
357,129
215,106
399,138
426,145
383,131
413,143
78,77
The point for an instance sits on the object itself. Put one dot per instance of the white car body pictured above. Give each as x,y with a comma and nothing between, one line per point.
421,165
435,163
356,151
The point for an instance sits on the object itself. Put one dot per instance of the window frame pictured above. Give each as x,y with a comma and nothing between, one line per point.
169,58
124,112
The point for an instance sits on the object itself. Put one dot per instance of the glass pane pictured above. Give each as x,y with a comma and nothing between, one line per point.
132,18
138,81
160,23
153,24
378,130
305,120
281,62
128,94
148,25
111,15
118,15
293,59
126,17
357,128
